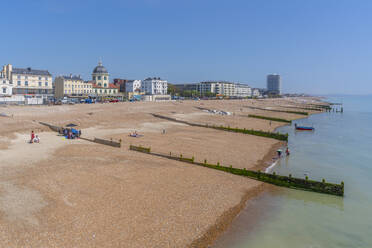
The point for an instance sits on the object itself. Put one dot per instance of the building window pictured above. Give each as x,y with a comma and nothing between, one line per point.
46,79
46,83
39,78
94,77
40,84
4,90
99,84
26,83
105,85
19,83
18,77
105,78
99,77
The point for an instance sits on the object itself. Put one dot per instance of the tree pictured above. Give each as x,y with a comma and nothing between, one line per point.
172,89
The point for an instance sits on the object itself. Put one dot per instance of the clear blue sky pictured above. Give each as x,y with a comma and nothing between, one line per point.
318,46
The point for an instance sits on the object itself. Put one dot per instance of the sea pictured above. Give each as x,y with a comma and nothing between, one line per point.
340,149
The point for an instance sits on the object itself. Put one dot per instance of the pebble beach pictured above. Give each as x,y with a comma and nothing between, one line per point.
75,193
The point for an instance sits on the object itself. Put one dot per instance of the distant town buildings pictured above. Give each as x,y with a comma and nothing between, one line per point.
34,86
71,86
273,84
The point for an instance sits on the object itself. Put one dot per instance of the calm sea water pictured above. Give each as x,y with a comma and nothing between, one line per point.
340,149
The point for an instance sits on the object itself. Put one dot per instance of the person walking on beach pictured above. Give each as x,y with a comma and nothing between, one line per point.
287,151
32,137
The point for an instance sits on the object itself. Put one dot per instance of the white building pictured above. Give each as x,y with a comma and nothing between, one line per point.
256,93
6,88
242,90
154,86
133,86
225,88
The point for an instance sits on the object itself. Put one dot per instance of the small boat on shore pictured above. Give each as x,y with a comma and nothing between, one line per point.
304,128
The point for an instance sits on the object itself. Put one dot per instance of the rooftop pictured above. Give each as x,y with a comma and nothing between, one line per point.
29,71
72,77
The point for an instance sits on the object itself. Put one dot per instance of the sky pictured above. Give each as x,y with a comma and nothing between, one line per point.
317,46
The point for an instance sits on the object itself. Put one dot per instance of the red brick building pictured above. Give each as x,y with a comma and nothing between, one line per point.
120,83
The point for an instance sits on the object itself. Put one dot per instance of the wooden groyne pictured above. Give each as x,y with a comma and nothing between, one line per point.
269,118
52,127
280,111
282,181
272,135
108,142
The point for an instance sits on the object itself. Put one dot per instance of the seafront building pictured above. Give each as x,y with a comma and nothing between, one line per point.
132,86
188,87
102,88
242,90
154,86
28,82
256,92
222,88
6,88
72,86
273,84
121,84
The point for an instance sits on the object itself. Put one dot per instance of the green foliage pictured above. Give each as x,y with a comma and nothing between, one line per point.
172,90
190,93
270,118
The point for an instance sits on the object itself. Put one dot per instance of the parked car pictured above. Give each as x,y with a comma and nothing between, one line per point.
114,100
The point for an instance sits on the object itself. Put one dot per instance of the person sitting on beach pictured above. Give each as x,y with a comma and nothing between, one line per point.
32,137
37,139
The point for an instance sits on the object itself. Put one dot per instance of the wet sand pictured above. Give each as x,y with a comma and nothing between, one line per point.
74,193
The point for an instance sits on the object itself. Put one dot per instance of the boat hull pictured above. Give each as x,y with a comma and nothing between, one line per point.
305,128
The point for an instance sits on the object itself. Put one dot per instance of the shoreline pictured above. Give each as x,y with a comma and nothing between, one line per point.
226,219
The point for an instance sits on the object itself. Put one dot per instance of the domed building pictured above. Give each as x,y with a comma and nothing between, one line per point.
101,83
100,75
